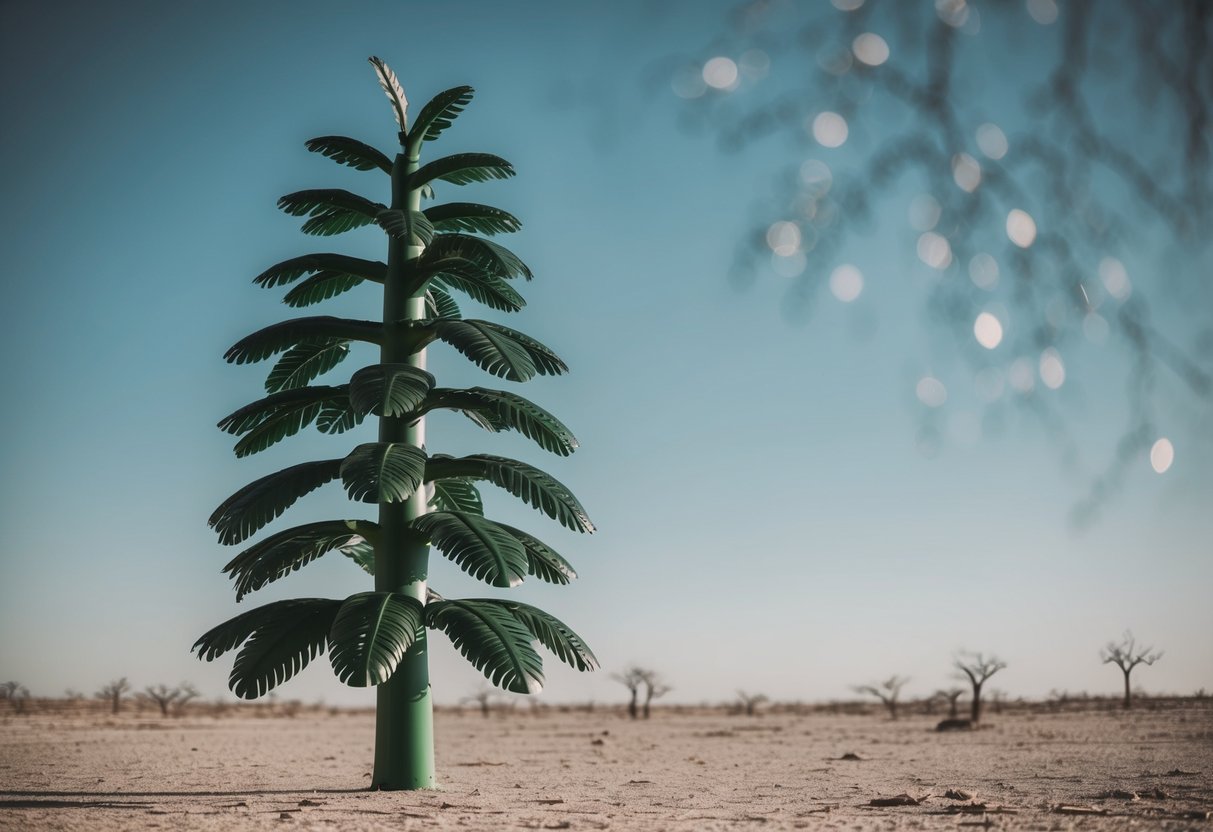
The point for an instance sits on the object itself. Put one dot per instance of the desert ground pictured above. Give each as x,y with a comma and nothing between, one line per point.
684,769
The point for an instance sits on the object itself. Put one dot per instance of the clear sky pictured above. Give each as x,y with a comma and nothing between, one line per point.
766,520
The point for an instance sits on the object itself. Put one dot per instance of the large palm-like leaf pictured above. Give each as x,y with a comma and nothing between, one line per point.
389,389
287,551
338,416
552,633
393,90
478,546
370,635
288,271
279,415
437,115
462,169
305,361
319,287
241,515
498,410
456,494
383,472
544,562
362,553
492,257
492,639
540,490
397,223
439,304
472,217
281,336
332,210
279,640
486,288
497,349
350,152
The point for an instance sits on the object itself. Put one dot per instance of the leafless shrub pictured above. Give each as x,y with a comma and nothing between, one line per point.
113,693
886,691
1126,655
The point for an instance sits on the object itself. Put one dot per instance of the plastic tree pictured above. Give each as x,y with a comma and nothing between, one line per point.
424,499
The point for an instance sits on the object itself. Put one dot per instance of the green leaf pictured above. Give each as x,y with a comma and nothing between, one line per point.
438,114
478,546
498,410
497,349
492,639
472,217
393,90
287,551
394,222
536,488
350,152
281,637
278,416
456,495
320,286
332,210
338,416
490,290
288,271
383,472
492,257
462,169
304,362
241,515
553,634
370,635
542,561
389,389
439,304
363,554
281,336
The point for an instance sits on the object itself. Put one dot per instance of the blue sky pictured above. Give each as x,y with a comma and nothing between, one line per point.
766,519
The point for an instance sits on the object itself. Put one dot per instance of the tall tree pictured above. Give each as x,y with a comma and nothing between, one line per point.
379,637
977,668
1126,654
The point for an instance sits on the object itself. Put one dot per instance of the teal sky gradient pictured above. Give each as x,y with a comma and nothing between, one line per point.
766,520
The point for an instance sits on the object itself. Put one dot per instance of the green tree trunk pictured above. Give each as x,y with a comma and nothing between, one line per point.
404,713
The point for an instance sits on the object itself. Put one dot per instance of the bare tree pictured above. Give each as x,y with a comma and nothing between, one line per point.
632,678
167,698
484,697
748,703
977,668
654,688
113,693
1126,655
1033,226
886,691
16,694
953,696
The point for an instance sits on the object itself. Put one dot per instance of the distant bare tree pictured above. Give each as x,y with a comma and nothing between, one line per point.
654,688
484,697
16,694
953,696
166,697
1127,655
886,691
749,703
113,693
632,678
977,668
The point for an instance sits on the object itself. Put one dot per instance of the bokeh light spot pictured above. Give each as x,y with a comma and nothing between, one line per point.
1043,12
987,329
1021,228
790,266
966,172
829,129
870,49
991,141
847,5
934,250
846,282
720,73
983,271
931,391
1095,328
1162,455
1115,278
816,177
784,238
924,212
1020,376
1052,369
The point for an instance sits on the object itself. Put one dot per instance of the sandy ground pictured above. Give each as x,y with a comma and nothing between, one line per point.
579,771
